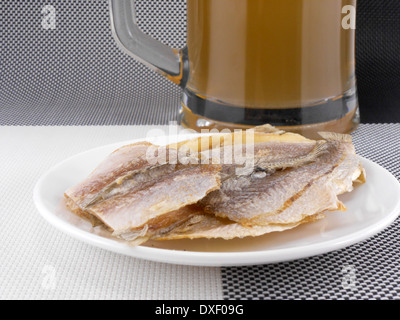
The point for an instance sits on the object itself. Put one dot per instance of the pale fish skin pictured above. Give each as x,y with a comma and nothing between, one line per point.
126,192
318,194
289,195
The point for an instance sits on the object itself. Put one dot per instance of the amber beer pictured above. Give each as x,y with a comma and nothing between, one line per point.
285,62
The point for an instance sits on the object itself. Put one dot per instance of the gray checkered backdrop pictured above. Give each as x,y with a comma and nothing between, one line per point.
70,71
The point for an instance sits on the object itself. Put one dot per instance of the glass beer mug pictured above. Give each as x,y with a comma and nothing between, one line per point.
289,63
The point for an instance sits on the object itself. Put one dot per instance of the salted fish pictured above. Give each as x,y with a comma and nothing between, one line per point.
286,192
128,193
292,180
202,225
243,152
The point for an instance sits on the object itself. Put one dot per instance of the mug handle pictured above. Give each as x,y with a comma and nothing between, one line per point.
169,62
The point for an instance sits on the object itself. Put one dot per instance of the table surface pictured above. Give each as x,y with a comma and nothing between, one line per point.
39,262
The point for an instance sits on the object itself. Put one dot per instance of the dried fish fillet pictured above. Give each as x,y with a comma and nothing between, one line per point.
257,136
121,162
161,225
127,192
289,195
132,210
262,148
203,225
241,184
294,181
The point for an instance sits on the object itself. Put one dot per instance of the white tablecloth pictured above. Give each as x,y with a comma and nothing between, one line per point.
39,262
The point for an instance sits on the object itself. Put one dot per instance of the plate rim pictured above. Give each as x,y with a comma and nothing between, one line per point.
210,259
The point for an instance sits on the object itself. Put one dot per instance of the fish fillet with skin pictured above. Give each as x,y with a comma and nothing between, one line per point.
127,193
202,225
291,180
289,194
242,152
262,201
121,192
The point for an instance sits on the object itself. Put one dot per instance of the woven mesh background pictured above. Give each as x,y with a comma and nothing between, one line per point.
374,262
76,74
378,60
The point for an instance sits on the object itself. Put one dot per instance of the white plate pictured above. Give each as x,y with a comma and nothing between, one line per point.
371,208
